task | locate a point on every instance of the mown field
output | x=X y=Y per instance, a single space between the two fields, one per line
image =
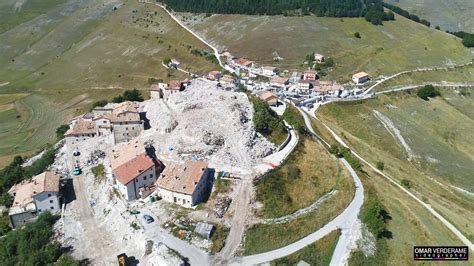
x=438 y=134
x=64 y=55
x=452 y=15
x=396 y=46
x=462 y=74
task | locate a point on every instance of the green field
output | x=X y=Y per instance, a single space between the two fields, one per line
x=463 y=74
x=311 y=167
x=452 y=15
x=396 y=46
x=438 y=134
x=64 y=55
x=318 y=253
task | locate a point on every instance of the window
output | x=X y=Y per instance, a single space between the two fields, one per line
x=144 y=178
x=52 y=208
x=126 y=128
x=151 y=175
x=39 y=210
x=50 y=201
x=49 y=195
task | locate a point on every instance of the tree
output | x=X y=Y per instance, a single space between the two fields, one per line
x=438 y=28
x=468 y=40
x=100 y=103
x=357 y=35
x=61 y=130
x=427 y=92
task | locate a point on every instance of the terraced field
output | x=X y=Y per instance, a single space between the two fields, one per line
x=427 y=143
x=396 y=46
x=64 y=55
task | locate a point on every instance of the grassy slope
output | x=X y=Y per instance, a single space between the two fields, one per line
x=396 y=46
x=318 y=253
x=281 y=193
x=434 y=130
x=80 y=52
x=453 y=15
x=464 y=74
x=410 y=223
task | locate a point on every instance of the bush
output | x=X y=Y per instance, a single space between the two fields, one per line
x=99 y=172
x=129 y=95
x=380 y=166
x=357 y=35
x=293 y=117
x=293 y=171
x=406 y=183
x=427 y=92
x=100 y=103
x=61 y=130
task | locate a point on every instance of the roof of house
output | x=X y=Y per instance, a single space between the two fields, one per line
x=267 y=95
x=182 y=178
x=24 y=192
x=279 y=80
x=81 y=127
x=227 y=78
x=243 y=62
x=269 y=68
x=174 y=85
x=158 y=87
x=309 y=71
x=318 y=56
x=214 y=72
x=133 y=168
x=360 y=75
x=326 y=85
x=125 y=152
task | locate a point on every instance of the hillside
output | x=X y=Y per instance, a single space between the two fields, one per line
x=426 y=143
x=397 y=45
x=452 y=15
x=63 y=55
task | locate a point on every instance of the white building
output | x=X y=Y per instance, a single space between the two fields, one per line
x=186 y=184
x=134 y=175
x=80 y=130
x=360 y=78
x=32 y=198
x=268 y=70
x=319 y=58
x=156 y=90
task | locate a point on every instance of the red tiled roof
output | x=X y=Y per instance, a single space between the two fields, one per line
x=133 y=168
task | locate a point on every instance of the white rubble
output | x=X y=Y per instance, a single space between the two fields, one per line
x=205 y=122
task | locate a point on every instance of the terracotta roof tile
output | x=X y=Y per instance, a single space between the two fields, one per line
x=133 y=168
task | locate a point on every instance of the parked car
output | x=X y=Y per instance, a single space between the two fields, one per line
x=148 y=219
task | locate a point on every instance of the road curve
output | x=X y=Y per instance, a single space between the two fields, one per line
x=343 y=221
x=214 y=49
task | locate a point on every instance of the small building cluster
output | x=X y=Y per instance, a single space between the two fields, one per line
x=164 y=90
x=31 y=198
x=138 y=174
x=121 y=120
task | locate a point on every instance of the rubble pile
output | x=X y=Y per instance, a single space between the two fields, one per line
x=95 y=157
x=221 y=206
x=205 y=122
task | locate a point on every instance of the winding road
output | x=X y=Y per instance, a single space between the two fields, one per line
x=214 y=49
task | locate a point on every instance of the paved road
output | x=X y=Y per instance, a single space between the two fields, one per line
x=410 y=71
x=216 y=52
x=343 y=221
x=450 y=226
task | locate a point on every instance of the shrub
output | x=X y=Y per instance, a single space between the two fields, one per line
x=61 y=130
x=99 y=172
x=357 y=35
x=293 y=171
x=427 y=92
x=380 y=166
x=406 y=183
